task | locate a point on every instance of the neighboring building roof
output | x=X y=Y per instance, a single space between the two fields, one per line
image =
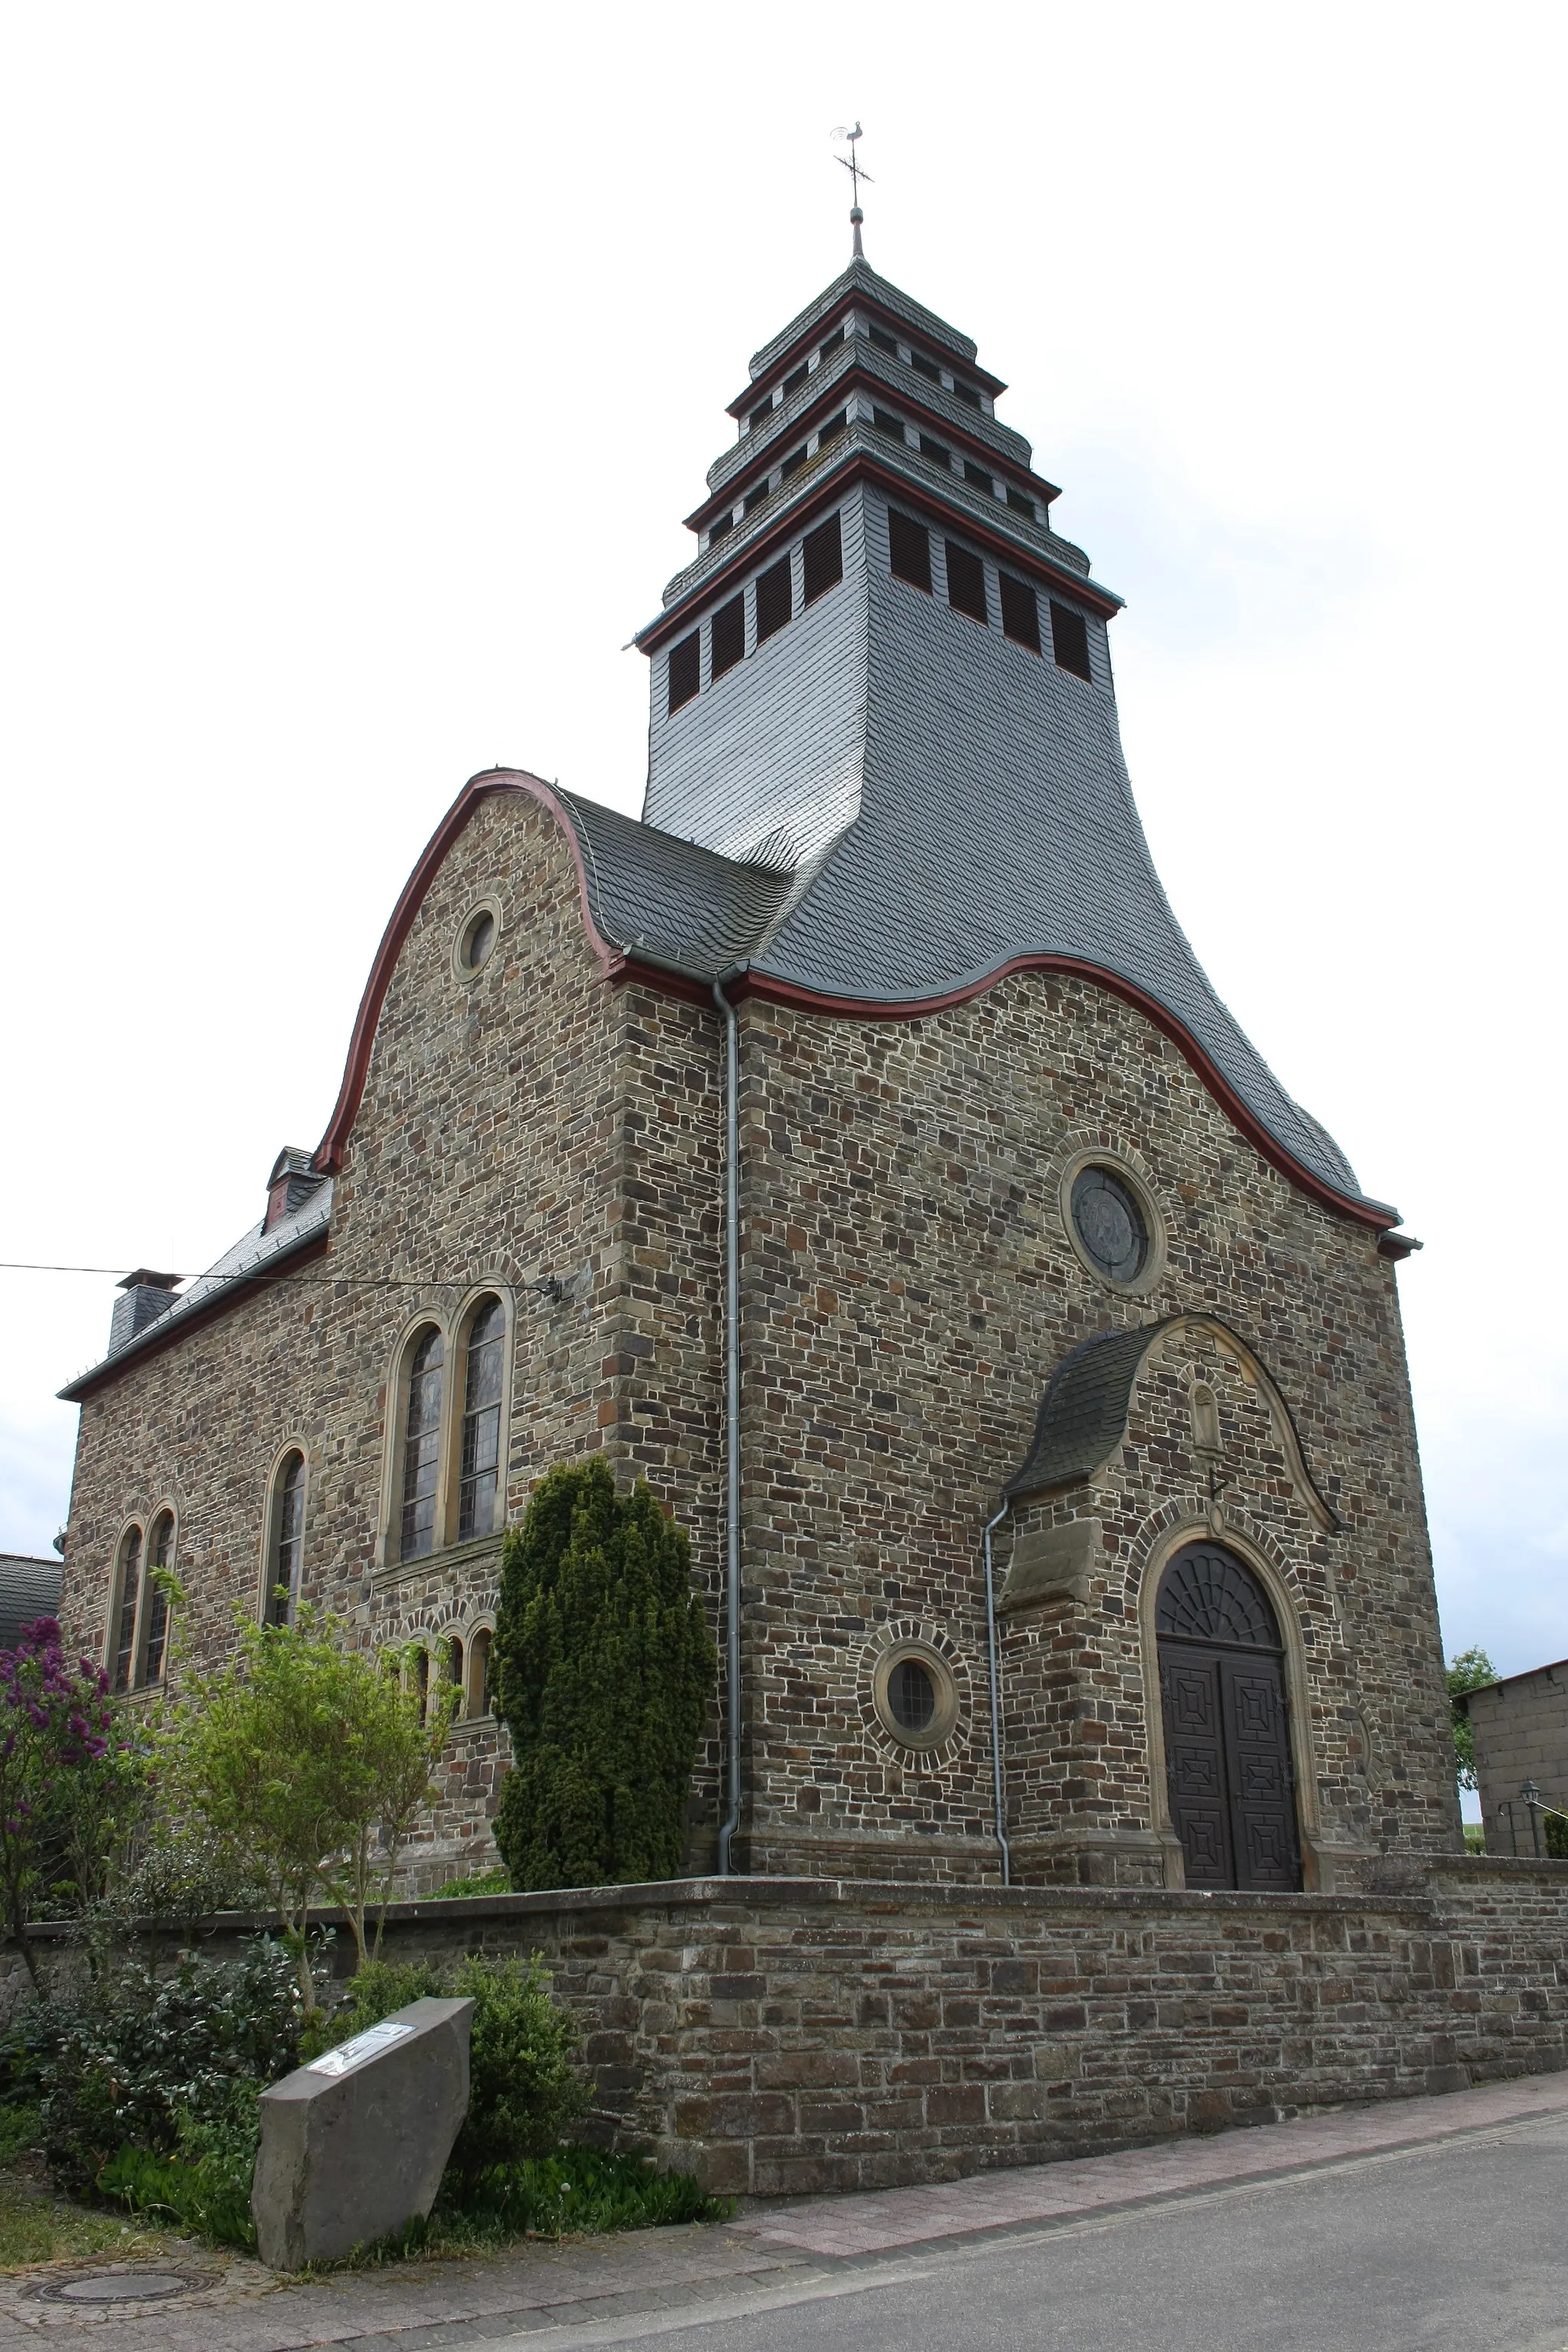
x=257 y=1253
x=1526 y=1674
x=29 y=1589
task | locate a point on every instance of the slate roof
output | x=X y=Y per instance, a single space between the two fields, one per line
x=29 y=1589
x=1083 y=1412
x=256 y=1252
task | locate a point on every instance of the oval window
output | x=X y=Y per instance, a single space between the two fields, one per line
x=911 y=1694
x=1109 y=1221
x=479 y=938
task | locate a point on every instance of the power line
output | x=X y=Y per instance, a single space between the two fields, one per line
x=319 y=1281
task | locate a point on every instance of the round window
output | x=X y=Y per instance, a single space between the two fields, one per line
x=914 y=1696
x=911 y=1694
x=1109 y=1221
x=479 y=938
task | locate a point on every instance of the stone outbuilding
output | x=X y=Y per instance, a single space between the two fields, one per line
x=1519 y=1725
x=853 y=1148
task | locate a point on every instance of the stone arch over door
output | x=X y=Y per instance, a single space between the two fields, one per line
x=1225 y=1715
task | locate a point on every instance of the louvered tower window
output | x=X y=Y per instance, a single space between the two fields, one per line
x=156 y=1616
x=774 y=599
x=1069 y=640
x=728 y=637
x=288 y=1541
x=922 y=366
x=966 y=583
x=822 y=558
x=1020 y=611
x=909 y=549
x=685 y=670
x=482 y=1423
x=128 y=1592
x=422 y=1447
x=979 y=478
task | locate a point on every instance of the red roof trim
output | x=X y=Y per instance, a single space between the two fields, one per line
x=856 y=379
x=855 y=297
x=328 y=1152
x=853 y=1008
x=856 y=466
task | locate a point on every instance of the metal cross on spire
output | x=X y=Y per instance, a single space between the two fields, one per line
x=858 y=172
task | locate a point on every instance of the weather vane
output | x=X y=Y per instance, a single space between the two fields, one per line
x=858 y=172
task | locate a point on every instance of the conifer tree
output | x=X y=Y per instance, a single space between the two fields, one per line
x=604 y=1668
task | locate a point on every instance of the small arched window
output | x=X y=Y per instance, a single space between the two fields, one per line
x=452 y=1671
x=127 y=1594
x=422 y=1447
x=480 y=1473
x=480 y=1672
x=286 y=1551
x=419 y=1679
x=155 y=1611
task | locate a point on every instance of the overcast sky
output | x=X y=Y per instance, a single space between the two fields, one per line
x=361 y=360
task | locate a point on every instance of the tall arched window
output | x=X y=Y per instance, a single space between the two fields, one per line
x=480 y=1672
x=422 y=1447
x=288 y=1541
x=452 y=1672
x=155 y=1611
x=419 y=1679
x=479 y=1473
x=127 y=1594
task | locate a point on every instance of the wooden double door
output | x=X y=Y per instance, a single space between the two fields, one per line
x=1227 y=1739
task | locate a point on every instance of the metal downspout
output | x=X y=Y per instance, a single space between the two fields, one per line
x=732 y=1426
x=991 y=1525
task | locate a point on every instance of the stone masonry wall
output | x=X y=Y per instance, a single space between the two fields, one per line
x=780 y=2036
x=489 y=1152
x=908 y=1285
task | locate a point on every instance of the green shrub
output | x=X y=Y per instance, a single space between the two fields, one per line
x=525 y=2090
x=206 y=2184
x=483 y=1882
x=604 y=1668
x=140 y=2058
x=1555 y=1830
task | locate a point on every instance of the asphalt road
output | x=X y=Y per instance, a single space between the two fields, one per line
x=1456 y=2247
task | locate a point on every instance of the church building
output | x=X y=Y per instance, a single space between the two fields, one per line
x=854 y=1149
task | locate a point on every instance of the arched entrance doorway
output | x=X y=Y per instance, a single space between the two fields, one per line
x=1227 y=1739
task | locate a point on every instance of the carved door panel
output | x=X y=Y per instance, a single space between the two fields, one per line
x=1263 y=1801
x=1196 y=1766
x=1227 y=1767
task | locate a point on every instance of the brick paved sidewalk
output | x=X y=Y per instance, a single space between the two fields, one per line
x=595 y=2286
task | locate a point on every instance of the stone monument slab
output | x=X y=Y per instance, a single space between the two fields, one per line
x=353 y=2145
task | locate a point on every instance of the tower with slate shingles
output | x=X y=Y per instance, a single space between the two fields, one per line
x=852 y=1148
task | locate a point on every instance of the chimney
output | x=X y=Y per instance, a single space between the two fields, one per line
x=291 y=1184
x=146 y=1297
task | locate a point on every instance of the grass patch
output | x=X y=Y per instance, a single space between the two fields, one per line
x=38 y=2225
x=581 y=2190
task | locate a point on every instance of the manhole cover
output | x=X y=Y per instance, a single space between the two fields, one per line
x=117 y=2287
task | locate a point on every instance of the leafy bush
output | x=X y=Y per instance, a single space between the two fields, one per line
x=306 y=1766
x=524 y=2088
x=604 y=1668
x=73 y=1786
x=141 y=2058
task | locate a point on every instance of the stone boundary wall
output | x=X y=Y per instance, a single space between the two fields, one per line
x=777 y=2036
